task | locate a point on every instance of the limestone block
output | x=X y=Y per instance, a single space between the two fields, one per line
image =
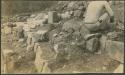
x=52 y=17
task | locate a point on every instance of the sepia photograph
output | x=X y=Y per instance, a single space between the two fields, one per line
x=62 y=37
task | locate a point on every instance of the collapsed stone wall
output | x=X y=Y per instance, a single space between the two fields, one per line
x=54 y=41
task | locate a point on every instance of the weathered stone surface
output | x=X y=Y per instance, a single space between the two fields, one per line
x=65 y=15
x=33 y=26
x=119 y=69
x=61 y=51
x=21 y=40
x=116 y=36
x=52 y=35
x=71 y=6
x=120 y=26
x=52 y=17
x=29 y=40
x=9 y=64
x=11 y=24
x=72 y=24
x=78 y=13
x=33 y=15
x=23 y=26
x=26 y=28
x=20 y=32
x=40 y=35
x=36 y=37
x=41 y=16
x=89 y=36
x=30 y=48
x=36 y=47
x=115 y=50
x=46 y=68
x=56 y=48
x=92 y=45
x=3 y=66
x=21 y=18
x=40 y=61
x=103 y=40
x=7 y=30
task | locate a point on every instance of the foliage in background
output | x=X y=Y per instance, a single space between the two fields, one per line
x=17 y=6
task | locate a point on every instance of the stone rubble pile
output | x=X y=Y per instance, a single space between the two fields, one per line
x=55 y=37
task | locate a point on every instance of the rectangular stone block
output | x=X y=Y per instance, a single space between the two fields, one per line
x=52 y=17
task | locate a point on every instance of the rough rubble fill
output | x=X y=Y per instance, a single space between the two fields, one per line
x=31 y=45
